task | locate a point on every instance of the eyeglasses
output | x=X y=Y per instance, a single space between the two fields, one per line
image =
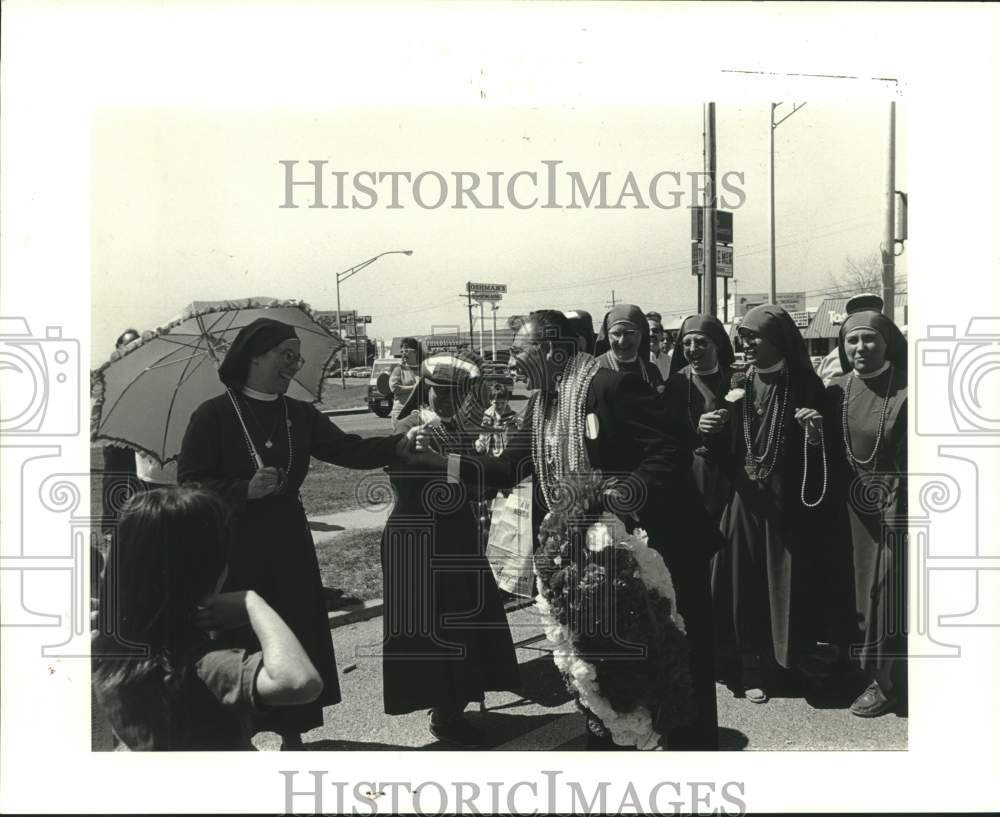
x=290 y=357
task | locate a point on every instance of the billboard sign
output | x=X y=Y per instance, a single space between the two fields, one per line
x=477 y=290
x=792 y=302
x=723 y=260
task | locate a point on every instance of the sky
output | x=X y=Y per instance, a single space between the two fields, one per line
x=187 y=205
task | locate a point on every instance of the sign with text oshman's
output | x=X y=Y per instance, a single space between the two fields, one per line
x=486 y=292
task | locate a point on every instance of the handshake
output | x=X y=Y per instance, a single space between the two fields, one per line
x=417 y=448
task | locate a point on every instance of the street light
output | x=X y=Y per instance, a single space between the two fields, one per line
x=343 y=276
x=773 y=293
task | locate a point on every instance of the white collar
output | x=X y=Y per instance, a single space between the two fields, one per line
x=713 y=370
x=870 y=375
x=777 y=367
x=259 y=395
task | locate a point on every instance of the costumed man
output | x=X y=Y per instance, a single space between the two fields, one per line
x=445 y=635
x=868 y=438
x=617 y=425
x=623 y=345
x=252 y=445
x=700 y=372
x=765 y=582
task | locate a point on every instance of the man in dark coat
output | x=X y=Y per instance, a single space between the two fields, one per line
x=626 y=436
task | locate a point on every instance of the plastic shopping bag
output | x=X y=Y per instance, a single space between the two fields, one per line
x=509 y=547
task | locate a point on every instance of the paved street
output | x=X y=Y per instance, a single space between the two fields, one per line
x=543 y=717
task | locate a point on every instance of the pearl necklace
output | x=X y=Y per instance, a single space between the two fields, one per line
x=805 y=469
x=558 y=428
x=881 y=423
x=760 y=468
x=256 y=462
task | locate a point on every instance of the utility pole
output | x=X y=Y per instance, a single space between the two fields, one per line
x=482 y=320
x=468 y=293
x=613 y=301
x=708 y=303
x=889 y=232
x=772 y=293
x=493 y=342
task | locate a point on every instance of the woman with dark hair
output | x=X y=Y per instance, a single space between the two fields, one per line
x=445 y=634
x=764 y=583
x=868 y=435
x=623 y=344
x=700 y=372
x=159 y=679
x=252 y=446
x=403 y=377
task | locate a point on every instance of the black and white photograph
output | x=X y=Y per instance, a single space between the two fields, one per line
x=469 y=381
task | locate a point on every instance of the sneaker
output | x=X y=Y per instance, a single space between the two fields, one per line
x=459 y=732
x=873 y=702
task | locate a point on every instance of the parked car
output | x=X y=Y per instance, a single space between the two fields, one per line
x=497 y=372
x=359 y=371
x=379 y=397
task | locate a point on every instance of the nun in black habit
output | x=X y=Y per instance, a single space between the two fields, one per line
x=764 y=583
x=252 y=446
x=623 y=345
x=868 y=442
x=700 y=372
x=445 y=635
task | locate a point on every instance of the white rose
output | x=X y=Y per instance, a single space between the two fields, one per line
x=735 y=395
x=599 y=537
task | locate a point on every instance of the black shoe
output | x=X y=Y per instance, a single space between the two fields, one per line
x=459 y=732
x=873 y=702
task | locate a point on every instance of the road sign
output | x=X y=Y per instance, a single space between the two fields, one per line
x=801 y=319
x=723 y=260
x=723 y=225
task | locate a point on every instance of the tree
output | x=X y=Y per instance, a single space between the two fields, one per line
x=862 y=274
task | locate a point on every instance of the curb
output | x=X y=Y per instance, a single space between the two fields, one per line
x=355 y=613
x=344 y=412
x=373 y=609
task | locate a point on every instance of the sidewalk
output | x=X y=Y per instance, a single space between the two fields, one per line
x=325 y=527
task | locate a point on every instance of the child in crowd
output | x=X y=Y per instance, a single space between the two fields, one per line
x=500 y=419
x=160 y=679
